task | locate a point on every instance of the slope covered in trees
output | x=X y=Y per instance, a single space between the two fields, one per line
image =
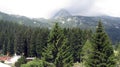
x=58 y=46
x=15 y=38
x=112 y=24
x=30 y=41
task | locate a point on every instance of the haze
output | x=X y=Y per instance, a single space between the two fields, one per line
x=47 y=8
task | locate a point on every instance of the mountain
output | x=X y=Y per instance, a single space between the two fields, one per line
x=111 y=24
x=62 y=13
x=22 y=20
x=66 y=20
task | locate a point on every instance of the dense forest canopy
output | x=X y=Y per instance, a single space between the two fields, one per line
x=58 y=46
x=15 y=38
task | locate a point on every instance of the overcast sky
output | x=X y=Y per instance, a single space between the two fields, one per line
x=47 y=8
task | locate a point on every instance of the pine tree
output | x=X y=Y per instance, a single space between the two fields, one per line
x=86 y=50
x=76 y=39
x=47 y=54
x=54 y=40
x=4 y=48
x=102 y=54
x=10 y=48
x=117 y=54
x=41 y=41
x=33 y=45
x=64 y=57
x=57 y=51
x=19 y=42
x=27 y=37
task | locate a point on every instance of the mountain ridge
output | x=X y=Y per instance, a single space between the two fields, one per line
x=111 y=24
x=62 y=13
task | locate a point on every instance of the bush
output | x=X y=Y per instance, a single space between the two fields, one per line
x=22 y=60
x=38 y=63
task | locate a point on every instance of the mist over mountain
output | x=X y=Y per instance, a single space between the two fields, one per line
x=62 y=13
x=67 y=20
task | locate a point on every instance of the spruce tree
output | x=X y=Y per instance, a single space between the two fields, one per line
x=76 y=39
x=10 y=47
x=86 y=50
x=64 y=57
x=19 y=42
x=47 y=54
x=33 y=45
x=4 y=48
x=102 y=54
x=57 y=50
x=41 y=41
x=54 y=42
x=117 y=54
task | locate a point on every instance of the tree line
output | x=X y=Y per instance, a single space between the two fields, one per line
x=60 y=46
x=30 y=41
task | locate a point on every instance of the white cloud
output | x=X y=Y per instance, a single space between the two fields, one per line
x=109 y=7
x=45 y=8
x=32 y=8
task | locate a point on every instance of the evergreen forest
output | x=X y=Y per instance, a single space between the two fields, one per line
x=58 y=47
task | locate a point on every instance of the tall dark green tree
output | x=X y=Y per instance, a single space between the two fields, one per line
x=41 y=41
x=102 y=54
x=4 y=48
x=86 y=50
x=54 y=41
x=76 y=38
x=33 y=52
x=19 y=42
x=27 y=42
x=57 y=51
x=47 y=54
x=64 y=57
x=10 y=47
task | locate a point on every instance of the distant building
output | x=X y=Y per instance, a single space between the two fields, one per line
x=4 y=58
x=12 y=60
x=30 y=58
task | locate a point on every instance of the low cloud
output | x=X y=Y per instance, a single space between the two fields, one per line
x=47 y=8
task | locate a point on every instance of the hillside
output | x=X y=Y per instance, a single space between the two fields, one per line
x=67 y=20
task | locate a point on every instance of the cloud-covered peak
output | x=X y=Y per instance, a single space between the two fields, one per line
x=62 y=13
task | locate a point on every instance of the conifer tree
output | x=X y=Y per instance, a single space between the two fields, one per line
x=4 y=48
x=41 y=41
x=33 y=44
x=57 y=51
x=117 y=54
x=47 y=54
x=64 y=57
x=10 y=47
x=55 y=39
x=19 y=42
x=76 y=40
x=102 y=54
x=86 y=50
x=54 y=42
